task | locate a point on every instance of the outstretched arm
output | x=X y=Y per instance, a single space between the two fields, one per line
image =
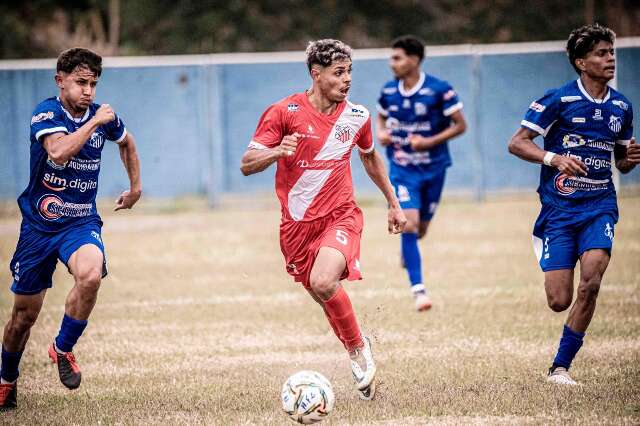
x=374 y=165
x=627 y=157
x=458 y=127
x=523 y=146
x=131 y=162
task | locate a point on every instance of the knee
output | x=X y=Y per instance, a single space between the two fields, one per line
x=422 y=230
x=23 y=319
x=559 y=302
x=589 y=288
x=89 y=279
x=323 y=285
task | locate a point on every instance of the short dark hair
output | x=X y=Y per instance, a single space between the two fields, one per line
x=412 y=45
x=79 y=57
x=326 y=51
x=582 y=40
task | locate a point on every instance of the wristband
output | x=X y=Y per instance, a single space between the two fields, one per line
x=547 y=158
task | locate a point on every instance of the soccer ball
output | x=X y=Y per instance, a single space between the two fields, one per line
x=307 y=397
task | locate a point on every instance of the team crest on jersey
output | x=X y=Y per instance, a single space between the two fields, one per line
x=42 y=116
x=293 y=107
x=420 y=108
x=343 y=133
x=406 y=104
x=620 y=104
x=96 y=140
x=615 y=123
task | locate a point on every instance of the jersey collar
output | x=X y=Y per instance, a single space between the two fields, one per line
x=77 y=120
x=414 y=89
x=588 y=96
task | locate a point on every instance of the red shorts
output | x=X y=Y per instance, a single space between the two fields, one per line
x=341 y=229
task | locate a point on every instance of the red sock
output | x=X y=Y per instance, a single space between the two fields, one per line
x=343 y=319
x=334 y=327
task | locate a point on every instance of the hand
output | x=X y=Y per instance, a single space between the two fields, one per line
x=633 y=152
x=396 y=220
x=421 y=143
x=288 y=145
x=127 y=199
x=384 y=137
x=570 y=166
x=104 y=114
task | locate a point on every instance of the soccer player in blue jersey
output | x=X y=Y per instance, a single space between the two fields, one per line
x=417 y=114
x=59 y=216
x=581 y=123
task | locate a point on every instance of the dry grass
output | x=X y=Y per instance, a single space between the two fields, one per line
x=198 y=323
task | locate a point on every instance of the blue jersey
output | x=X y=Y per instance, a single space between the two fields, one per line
x=62 y=195
x=574 y=124
x=424 y=110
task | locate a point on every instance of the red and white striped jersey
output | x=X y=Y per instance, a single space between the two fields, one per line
x=317 y=178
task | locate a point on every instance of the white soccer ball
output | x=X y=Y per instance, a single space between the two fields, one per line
x=307 y=397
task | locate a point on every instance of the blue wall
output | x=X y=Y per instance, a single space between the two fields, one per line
x=193 y=122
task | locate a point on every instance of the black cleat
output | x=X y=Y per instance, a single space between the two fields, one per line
x=68 y=368
x=8 y=394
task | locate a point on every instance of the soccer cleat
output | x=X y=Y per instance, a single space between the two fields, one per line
x=423 y=302
x=560 y=376
x=68 y=368
x=364 y=370
x=8 y=394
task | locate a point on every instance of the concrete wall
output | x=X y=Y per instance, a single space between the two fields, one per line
x=193 y=116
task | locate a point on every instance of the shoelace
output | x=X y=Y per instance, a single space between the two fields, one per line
x=72 y=361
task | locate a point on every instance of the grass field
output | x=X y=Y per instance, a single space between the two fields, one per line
x=199 y=323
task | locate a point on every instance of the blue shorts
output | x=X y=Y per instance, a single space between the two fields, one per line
x=37 y=254
x=420 y=192
x=560 y=237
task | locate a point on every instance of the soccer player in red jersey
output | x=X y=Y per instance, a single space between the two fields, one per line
x=310 y=136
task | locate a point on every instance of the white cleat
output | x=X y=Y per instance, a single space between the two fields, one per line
x=560 y=376
x=364 y=378
x=423 y=302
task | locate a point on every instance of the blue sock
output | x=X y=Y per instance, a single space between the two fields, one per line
x=70 y=331
x=411 y=256
x=10 y=362
x=570 y=344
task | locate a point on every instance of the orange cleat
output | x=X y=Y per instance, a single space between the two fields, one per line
x=68 y=368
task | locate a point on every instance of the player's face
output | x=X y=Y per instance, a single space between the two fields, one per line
x=402 y=64
x=77 y=88
x=334 y=81
x=600 y=63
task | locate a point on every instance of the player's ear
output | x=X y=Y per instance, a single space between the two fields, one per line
x=580 y=64
x=58 y=79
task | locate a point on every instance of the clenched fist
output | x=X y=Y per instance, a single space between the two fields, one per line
x=104 y=114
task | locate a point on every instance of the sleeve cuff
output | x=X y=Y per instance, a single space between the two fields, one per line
x=121 y=138
x=256 y=145
x=367 y=150
x=624 y=142
x=382 y=111
x=51 y=130
x=533 y=126
x=453 y=108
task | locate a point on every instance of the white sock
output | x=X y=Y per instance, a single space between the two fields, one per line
x=56 y=348
x=6 y=382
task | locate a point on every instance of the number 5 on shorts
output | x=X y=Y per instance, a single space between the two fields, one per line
x=341 y=237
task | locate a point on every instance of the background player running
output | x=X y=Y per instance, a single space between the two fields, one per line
x=417 y=115
x=310 y=136
x=59 y=216
x=582 y=122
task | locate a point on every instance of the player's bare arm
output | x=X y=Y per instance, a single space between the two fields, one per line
x=523 y=146
x=374 y=165
x=458 y=127
x=627 y=157
x=62 y=147
x=131 y=162
x=257 y=160
x=383 y=134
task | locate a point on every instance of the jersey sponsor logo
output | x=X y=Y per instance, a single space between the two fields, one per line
x=96 y=140
x=389 y=90
x=317 y=164
x=615 y=124
x=567 y=185
x=51 y=208
x=293 y=107
x=356 y=112
x=595 y=162
x=578 y=120
x=57 y=183
x=537 y=107
x=80 y=164
x=597 y=115
x=41 y=117
x=572 y=140
x=426 y=91
x=343 y=133
x=570 y=98
x=620 y=104
x=53 y=165
x=420 y=108
x=404 y=158
x=393 y=108
x=449 y=94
